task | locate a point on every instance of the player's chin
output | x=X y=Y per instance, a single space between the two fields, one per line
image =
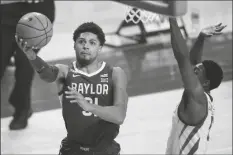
x=84 y=56
x=84 y=60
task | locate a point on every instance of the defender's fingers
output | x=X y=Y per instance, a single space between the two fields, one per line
x=217 y=33
x=73 y=101
x=24 y=44
x=218 y=24
x=69 y=92
x=16 y=38
x=220 y=28
x=70 y=88
x=70 y=96
x=19 y=41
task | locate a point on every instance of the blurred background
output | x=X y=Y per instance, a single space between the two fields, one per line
x=149 y=63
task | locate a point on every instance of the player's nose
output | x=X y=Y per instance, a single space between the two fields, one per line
x=86 y=46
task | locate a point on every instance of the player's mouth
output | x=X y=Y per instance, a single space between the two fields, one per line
x=85 y=53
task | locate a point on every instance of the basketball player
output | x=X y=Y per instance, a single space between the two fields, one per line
x=20 y=97
x=93 y=94
x=194 y=116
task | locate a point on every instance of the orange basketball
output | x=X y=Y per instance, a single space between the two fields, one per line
x=35 y=28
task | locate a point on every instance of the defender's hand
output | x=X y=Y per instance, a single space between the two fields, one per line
x=29 y=51
x=77 y=98
x=212 y=30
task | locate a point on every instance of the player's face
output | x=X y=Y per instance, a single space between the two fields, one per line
x=199 y=70
x=87 y=47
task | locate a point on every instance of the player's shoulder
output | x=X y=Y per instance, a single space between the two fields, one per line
x=115 y=70
x=118 y=71
x=119 y=75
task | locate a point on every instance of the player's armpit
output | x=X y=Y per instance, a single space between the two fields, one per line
x=194 y=111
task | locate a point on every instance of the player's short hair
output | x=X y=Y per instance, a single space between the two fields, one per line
x=214 y=73
x=90 y=27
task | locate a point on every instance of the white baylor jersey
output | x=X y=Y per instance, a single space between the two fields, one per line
x=190 y=140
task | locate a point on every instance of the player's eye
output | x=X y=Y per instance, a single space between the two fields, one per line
x=92 y=43
x=81 y=41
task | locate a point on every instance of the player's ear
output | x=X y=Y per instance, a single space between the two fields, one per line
x=100 y=48
x=206 y=83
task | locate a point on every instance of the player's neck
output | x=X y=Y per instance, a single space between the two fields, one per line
x=90 y=68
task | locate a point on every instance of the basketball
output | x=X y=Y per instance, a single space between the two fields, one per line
x=35 y=28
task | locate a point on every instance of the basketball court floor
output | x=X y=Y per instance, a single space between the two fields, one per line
x=154 y=91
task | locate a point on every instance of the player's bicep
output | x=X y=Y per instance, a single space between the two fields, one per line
x=120 y=95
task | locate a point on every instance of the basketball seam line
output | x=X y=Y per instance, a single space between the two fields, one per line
x=31 y=26
x=43 y=27
x=39 y=35
x=44 y=39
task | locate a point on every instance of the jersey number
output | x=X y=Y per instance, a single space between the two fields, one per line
x=90 y=100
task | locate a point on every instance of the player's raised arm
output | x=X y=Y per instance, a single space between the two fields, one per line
x=197 y=49
x=46 y=72
x=191 y=83
x=194 y=95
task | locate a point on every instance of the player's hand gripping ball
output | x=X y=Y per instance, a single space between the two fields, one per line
x=35 y=28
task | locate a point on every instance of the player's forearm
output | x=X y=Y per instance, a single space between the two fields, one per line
x=46 y=72
x=179 y=45
x=114 y=114
x=197 y=50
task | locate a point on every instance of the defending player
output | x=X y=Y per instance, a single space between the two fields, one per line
x=93 y=94
x=194 y=116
